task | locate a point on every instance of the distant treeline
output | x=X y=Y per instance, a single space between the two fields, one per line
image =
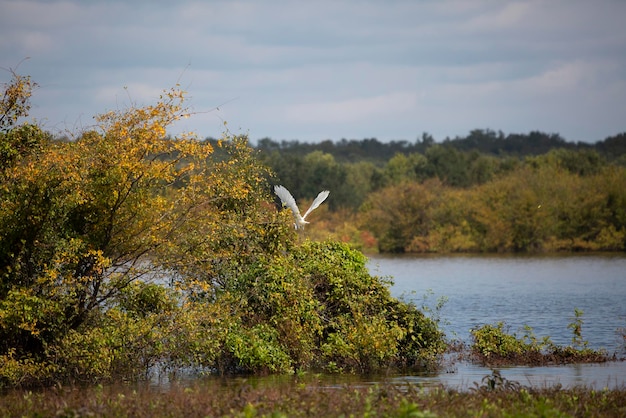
x=352 y=169
x=484 y=192
x=485 y=141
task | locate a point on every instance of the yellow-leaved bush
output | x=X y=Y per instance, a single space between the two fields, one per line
x=125 y=251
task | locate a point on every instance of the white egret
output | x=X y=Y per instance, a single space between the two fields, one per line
x=290 y=202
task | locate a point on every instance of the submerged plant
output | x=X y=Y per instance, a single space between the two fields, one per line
x=490 y=340
x=577 y=329
x=579 y=351
x=492 y=344
x=496 y=382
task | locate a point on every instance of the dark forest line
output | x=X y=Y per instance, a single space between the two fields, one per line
x=485 y=141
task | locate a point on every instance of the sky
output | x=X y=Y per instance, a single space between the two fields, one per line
x=327 y=69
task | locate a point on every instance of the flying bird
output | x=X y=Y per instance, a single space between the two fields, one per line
x=290 y=202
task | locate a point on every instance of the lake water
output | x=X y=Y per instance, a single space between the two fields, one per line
x=541 y=292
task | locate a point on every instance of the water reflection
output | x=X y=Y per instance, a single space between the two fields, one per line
x=460 y=376
x=610 y=375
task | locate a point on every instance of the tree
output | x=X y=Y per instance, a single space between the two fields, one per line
x=15 y=102
x=448 y=164
x=127 y=249
x=402 y=167
x=17 y=141
x=402 y=214
x=82 y=220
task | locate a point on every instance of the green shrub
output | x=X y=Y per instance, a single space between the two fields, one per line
x=492 y=344
x=318 y=307
x=364 y=327
x=141 y=299
x=493 y=341
x=257 y=349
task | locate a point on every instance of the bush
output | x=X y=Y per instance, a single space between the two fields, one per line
x=325 y=312
x=493 y=341
x=493 y=345
x=89 y=227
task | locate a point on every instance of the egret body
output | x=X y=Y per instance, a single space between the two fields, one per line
x=290 y=202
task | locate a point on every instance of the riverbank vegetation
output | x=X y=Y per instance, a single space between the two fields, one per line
x=125 y=252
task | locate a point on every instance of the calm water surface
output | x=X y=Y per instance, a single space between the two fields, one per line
x=541 y=292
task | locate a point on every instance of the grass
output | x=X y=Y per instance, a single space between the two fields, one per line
x=495 y=397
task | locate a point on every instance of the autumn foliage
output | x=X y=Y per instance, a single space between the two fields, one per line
x=125 y=252
x=540 y=206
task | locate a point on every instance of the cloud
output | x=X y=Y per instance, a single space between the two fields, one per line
x=506 y=15
x=359 y=109
x=331 y=69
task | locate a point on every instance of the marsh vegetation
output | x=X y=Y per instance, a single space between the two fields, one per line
x=493 y=397
x=90 y=225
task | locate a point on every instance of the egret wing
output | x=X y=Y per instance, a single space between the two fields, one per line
x=287 y=199
x=318 y=201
